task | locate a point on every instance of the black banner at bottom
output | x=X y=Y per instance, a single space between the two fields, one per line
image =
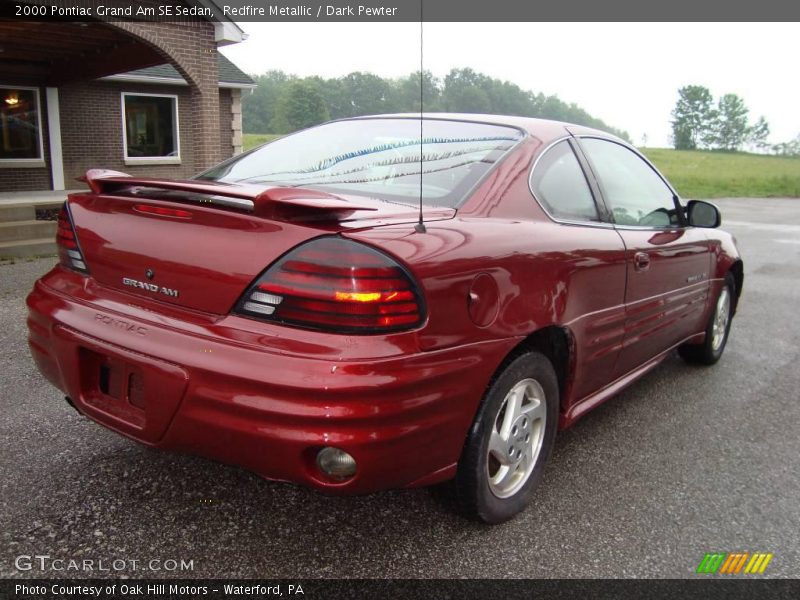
x=313 y=589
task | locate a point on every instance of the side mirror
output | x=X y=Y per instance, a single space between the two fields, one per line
x=703 y=214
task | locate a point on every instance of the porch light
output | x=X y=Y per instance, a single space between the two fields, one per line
x=12 y=99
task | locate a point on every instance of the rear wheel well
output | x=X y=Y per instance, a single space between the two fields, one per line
x=737 y=270
x=555 y=343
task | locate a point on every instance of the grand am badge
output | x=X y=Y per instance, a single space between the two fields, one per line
x=150 y=287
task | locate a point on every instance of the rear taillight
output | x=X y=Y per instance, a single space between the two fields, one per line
x=338 y=285
x=68 y=249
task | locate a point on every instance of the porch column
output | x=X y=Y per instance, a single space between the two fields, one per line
x=205 y=110
x=236 y=124
x=54 y=138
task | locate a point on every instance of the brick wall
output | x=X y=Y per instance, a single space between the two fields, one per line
x=91 y=129
x=191 y=49
x=91 y=111
x=30 y=179
x=91 y=134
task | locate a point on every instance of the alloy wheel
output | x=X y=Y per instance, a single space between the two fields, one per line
x=516 y=438
x=719 y=327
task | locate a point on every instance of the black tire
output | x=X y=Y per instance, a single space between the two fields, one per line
x=706 y=353
x=473 y=494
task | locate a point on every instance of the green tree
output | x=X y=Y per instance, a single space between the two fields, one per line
x=278 y=104
x=692 y=117
x=259 y=105
x=468 y=99
x=730 y=128
x=337 y=98
x=408 y=89
x=791 y=148
x=302 y=105
x=464 y=91
x=758 y=133
x=368 y=94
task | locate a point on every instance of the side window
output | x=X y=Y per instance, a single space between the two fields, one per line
x=634 y=192
x=559 y=183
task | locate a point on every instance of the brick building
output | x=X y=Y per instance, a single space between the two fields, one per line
x=151 y=99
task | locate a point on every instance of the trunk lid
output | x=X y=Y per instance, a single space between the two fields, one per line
x=200 y=245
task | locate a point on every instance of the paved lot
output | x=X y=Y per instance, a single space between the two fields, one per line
x=686 y=461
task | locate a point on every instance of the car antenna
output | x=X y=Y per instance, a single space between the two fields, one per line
x=420 y=226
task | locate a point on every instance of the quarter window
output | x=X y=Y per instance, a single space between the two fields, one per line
x=151 y=126
x=560 y=185
x=634 y=192
x=20 y=126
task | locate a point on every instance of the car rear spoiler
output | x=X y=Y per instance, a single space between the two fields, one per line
x=271 y=203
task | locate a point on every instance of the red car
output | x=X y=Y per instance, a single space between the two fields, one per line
x=317 y=312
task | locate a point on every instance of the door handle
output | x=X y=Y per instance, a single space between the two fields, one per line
x=641 y=261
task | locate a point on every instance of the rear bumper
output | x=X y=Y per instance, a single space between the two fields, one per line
x=403 y=417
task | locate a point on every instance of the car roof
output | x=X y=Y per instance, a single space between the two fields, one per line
x=545 y=129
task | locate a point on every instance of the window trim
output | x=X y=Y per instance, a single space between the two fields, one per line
x=676 y=199
x=27 y=163
x=151 y=160
x=591 y=183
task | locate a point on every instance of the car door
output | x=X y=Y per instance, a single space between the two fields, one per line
x=590 y=256
x=668 y=263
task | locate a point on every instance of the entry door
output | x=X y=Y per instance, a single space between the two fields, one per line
x=589 y=298
x=667 y=262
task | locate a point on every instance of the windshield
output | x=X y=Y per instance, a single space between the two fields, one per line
x=377 y=157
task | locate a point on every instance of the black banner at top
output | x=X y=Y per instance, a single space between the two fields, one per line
x=406 y=10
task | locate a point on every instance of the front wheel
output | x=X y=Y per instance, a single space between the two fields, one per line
x=717 y=329
x=510 y=441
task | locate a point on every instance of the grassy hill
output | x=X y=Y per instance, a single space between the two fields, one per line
x=251 y=140
x=699 y=174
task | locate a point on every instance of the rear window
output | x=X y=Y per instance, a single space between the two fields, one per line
x=379 y=158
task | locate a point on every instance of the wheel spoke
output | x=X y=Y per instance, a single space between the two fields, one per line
x=504 y=475
x=513 y=405
x=526 y=460
x=534 y=410
x=498 y=448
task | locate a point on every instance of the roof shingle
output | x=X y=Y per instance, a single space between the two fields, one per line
x=228 y=72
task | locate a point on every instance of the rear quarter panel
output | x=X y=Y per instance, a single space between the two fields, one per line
x=546 y=273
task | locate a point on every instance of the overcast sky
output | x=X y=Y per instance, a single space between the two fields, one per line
x=627 y=74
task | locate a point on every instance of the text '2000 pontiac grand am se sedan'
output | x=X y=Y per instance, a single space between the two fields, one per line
x=382 y=302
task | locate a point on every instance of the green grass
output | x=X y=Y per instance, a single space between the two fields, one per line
x=698 y=174
x=251 y=140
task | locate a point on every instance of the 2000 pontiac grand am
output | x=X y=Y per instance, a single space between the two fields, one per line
x=286 y=311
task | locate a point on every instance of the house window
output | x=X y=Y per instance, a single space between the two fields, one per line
x=20 y=126
x=150 y=128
